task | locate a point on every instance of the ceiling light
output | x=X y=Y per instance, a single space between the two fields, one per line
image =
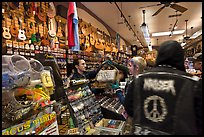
x=167 y=33
x=124 y=19
x=183 y=43
x=150 y=47
x=176 y=32
x=195 y=35
x=99 y=32
x=145 y=29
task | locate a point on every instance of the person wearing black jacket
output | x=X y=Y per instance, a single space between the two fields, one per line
x=79 y=69
x=166 y=99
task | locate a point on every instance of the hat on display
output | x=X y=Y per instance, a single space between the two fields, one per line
x=197 y=57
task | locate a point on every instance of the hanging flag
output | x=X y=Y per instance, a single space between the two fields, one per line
x=70 y=26
x=118 y=41
x=76 y=34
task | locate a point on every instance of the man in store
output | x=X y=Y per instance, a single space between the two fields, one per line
x=166 y=99
x=79 y=70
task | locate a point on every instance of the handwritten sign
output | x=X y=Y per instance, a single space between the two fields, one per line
x=106 y=75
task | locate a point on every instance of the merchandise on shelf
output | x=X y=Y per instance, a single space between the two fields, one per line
x=29 y=84
x=85 y=110
x=25 y=91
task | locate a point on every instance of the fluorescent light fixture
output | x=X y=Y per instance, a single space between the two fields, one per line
x=195 y=35
x=145 y=30
x=150 y=47
x=167 y=33
x=146 y=34
x=148 y=40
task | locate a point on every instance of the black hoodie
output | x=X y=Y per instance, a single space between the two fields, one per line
x=171 y=53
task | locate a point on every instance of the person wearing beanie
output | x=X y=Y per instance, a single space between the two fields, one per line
x=166 y=100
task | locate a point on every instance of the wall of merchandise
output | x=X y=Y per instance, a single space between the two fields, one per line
x=27 y=34
x=194 y=47
x=27 y=31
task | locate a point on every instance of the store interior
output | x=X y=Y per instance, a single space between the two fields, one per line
x=37 y=96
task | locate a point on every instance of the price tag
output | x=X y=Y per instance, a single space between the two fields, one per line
x=9 y=51
x=21 y=45
x=9 y=43
x=15 y=44
x=32 y=47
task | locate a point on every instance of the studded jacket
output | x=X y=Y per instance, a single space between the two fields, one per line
x=165 y=100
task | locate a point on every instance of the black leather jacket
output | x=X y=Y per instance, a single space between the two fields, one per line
x=165 y=100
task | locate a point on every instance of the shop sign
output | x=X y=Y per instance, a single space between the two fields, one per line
x=38 y=125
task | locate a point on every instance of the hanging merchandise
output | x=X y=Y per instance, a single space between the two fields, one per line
x=66 y=34
x=15 y=71
x=36 y=69
x=18 y=63
x=51 y=13
x=12 y=80
x=70 y=27
x=46 y=79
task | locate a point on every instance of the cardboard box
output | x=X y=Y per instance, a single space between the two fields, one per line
x=105 y=131
x=105 y=124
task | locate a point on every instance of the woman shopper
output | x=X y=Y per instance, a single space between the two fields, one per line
x=136 y=65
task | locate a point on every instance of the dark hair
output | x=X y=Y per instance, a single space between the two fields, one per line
x=75 y=62
x=171 y=53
